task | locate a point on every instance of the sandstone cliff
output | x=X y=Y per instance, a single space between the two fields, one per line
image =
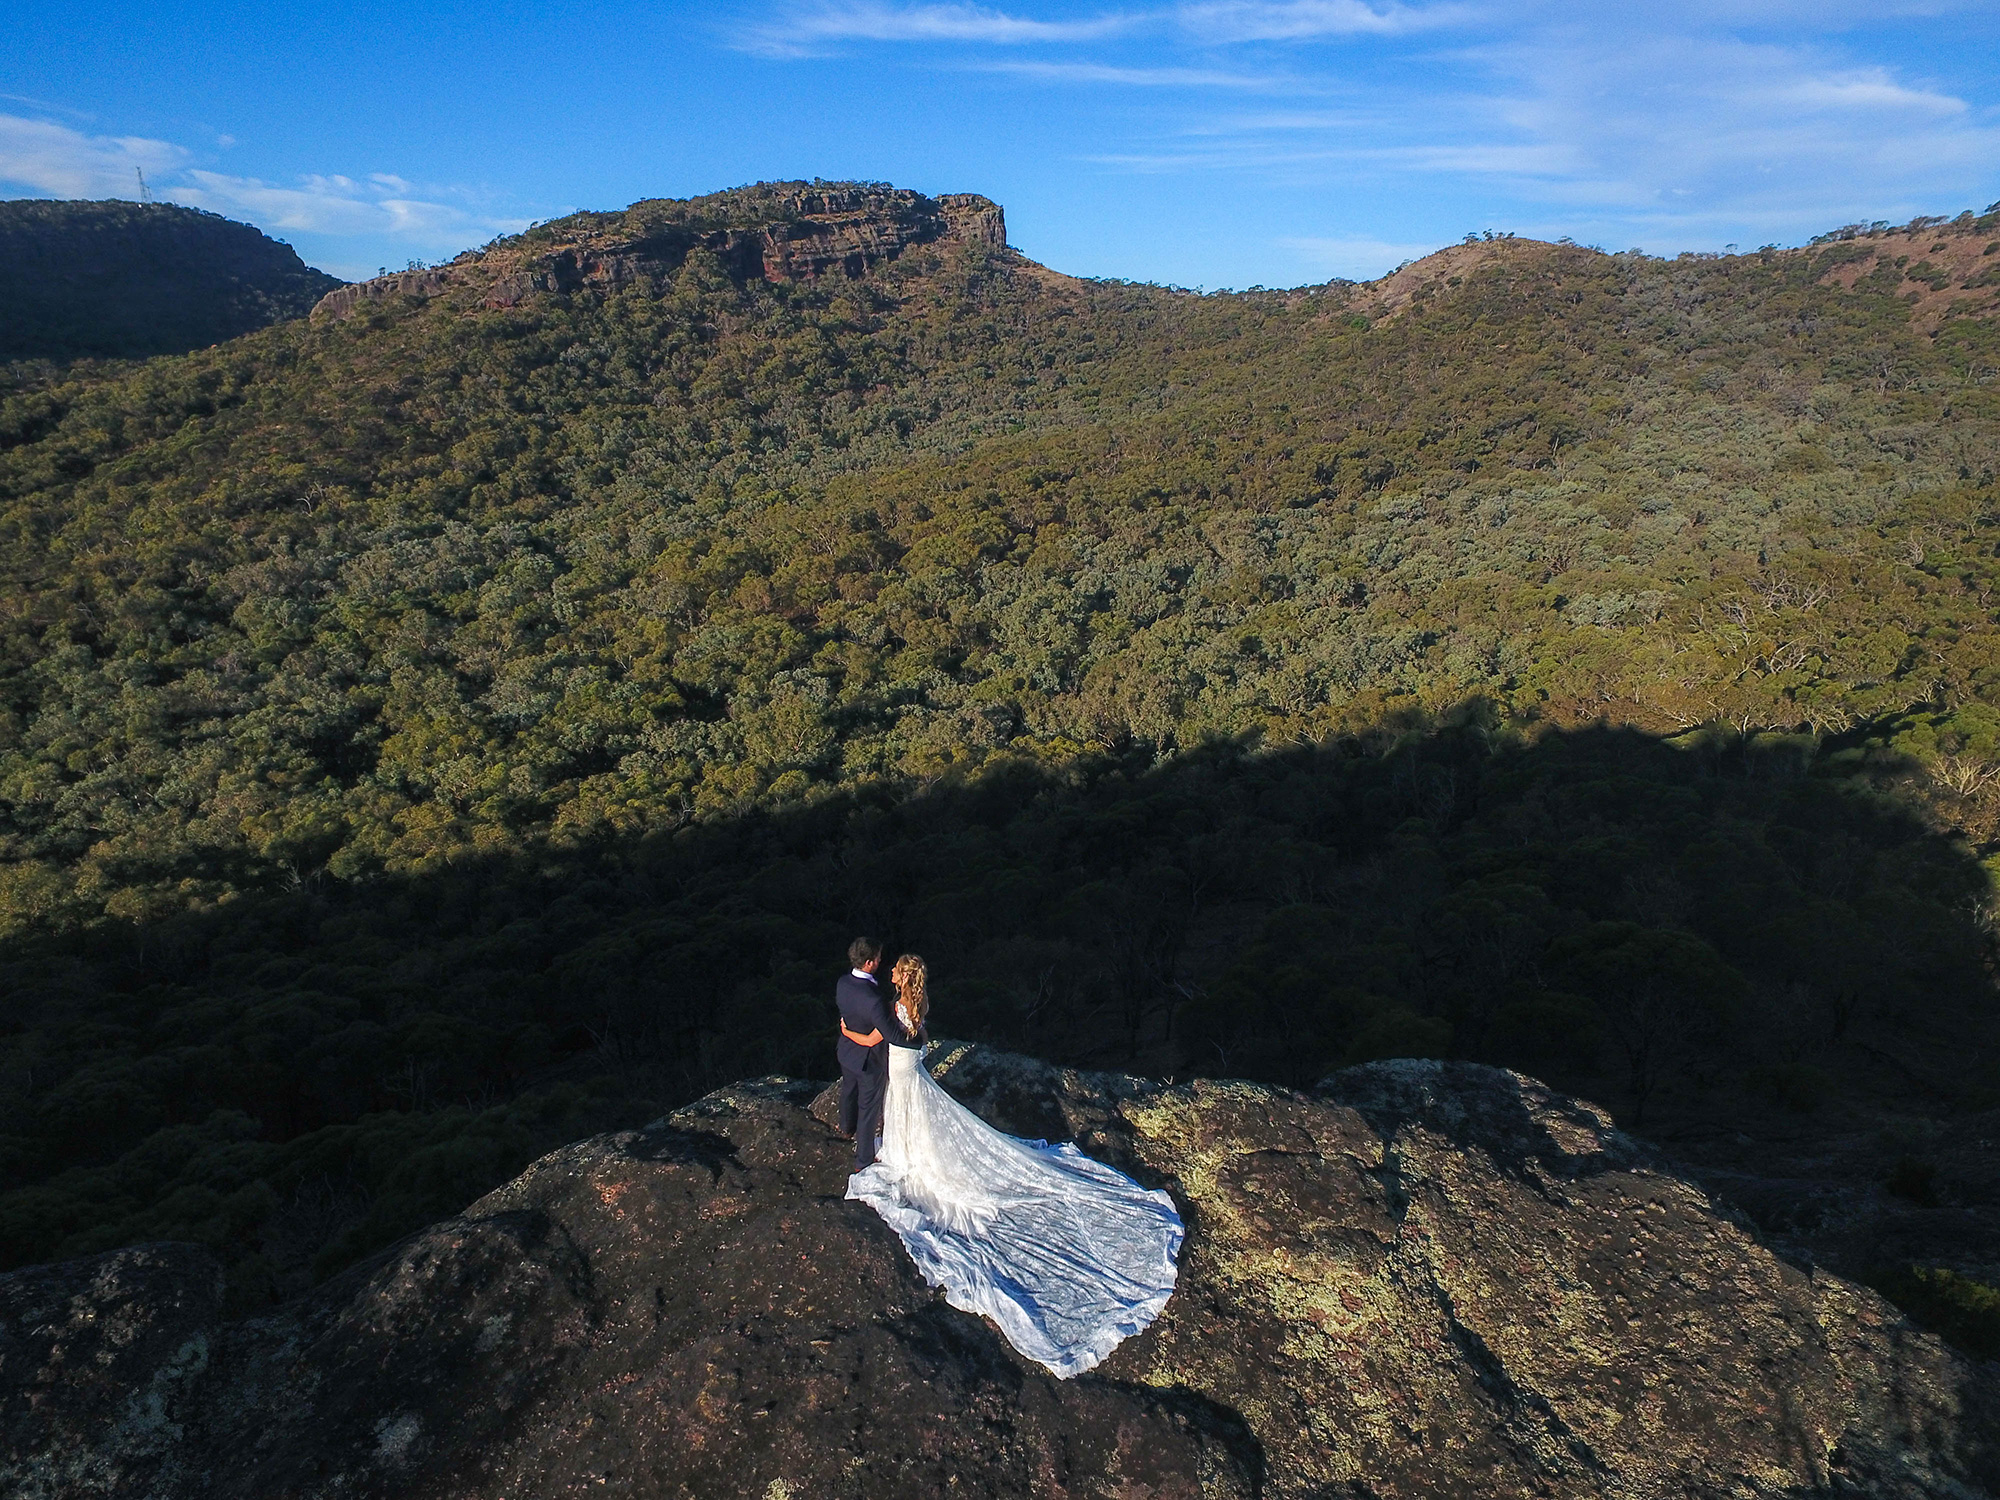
x=1424 y=1279
x=779 y=232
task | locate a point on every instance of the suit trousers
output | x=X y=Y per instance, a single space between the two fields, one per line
x=861 y=1098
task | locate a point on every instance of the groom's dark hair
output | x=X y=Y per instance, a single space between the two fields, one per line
x=862 y=951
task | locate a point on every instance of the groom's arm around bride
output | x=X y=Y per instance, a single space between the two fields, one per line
x=864 y=1070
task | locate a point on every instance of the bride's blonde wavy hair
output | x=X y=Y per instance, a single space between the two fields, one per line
x=912 y=981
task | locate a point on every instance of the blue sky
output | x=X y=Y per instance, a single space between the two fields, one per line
x=1204 y=143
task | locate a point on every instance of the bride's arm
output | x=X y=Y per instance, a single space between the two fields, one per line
x=872 y=1039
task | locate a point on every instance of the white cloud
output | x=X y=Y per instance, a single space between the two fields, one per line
x=378 y=206
x=44 y=107
x=370 y=219
x=54 y=159
x=1691 y=131
x=1717 y=119
x=1689 y=137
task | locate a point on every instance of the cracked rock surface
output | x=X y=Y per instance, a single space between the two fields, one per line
x=1422 y=1279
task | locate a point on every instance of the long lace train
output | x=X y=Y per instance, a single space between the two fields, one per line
x=1068 y=1256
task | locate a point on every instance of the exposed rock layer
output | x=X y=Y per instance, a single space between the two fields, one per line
x=1428 y=1279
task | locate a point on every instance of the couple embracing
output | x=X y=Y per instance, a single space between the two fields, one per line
x=869 y=1026
x=1068 y=1256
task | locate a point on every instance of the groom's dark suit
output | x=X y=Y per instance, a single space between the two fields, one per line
x=864 y=1071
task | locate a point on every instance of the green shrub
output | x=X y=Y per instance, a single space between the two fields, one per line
x=1963 y=1312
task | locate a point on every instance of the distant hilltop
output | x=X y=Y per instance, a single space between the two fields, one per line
x=1941 y=267
x=773 y=231
x=130 y=280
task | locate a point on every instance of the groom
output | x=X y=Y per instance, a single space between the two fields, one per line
x=864 y=1069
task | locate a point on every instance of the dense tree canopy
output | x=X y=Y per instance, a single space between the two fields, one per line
x=117 y=280
x=432 y=732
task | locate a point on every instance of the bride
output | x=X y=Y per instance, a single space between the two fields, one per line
x=1066 y=1255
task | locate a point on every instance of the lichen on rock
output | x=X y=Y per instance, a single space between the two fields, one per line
x=1418 y=1279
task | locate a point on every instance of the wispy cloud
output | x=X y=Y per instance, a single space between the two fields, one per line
x=803 y=30
x=377 y=206
x=1689 y=129
x=1686 y=113
x=49 y=158
x=806 y=29
x=1357 y=259
x=1688 y=137
x=44 y=107
x=1872 y=90
x=1309 y=20
x=1200 y=78
x=1276 y=122
x=354 y=217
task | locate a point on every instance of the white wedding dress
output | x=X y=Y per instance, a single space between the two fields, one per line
x=1066 y=1255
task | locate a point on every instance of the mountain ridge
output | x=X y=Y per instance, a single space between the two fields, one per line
x=853 y=226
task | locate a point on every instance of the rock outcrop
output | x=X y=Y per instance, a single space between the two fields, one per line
x=1424 y=1279
x=793 y=236
x=343 y=300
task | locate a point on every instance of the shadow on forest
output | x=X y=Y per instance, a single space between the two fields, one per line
x=300 y=1077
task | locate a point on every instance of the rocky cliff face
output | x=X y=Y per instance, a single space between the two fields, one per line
x=795 y=236
x=1424 y=1279
x=129 y=280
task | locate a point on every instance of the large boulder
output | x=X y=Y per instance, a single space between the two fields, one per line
x=1423 y=1279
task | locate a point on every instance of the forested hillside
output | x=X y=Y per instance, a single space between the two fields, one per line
x=116 y=280
x=484 y=711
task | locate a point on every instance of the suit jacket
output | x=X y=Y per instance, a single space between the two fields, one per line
x=862 y=1009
